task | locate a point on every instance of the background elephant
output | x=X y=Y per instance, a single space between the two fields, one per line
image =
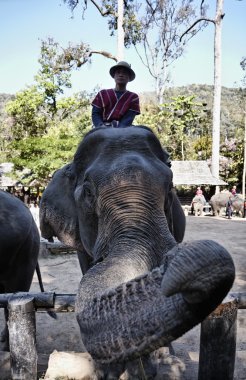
x=19 y=247
x=219 y=201
x=197 y=204
x=237 y=204
x=143 y=288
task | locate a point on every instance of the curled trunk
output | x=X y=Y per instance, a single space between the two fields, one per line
x=151 y=310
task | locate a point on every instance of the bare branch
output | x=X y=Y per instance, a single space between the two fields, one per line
x=146 y=65
x=201 y=7
x=106 y=13
x=196 y=22
x=104 y=53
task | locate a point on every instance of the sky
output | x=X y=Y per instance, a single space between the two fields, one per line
x=24 y=23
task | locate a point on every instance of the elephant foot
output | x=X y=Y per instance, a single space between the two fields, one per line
x=145 y=367
x=156 y=366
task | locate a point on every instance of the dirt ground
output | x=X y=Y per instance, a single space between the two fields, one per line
x=61 y=274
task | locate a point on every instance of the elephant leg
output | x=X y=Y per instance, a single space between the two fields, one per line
x=196 y=211
x=144 y=367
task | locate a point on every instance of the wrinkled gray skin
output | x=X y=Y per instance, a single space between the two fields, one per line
x=198 y=204
x=218 y=202
x=19 y=247
x=144 y=289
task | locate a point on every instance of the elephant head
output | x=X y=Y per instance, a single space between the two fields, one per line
x=145 y=288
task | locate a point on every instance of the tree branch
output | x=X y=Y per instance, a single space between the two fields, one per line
x=196 y=22
x=106 y=13
x=104 y=53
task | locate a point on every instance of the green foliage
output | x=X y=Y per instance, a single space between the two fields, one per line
x=50 y=78
x=109 y=9
x=45 y=127
x=232 y=164
x=186 y=111
x=45 y=154
x=27 y=112
x=177 y=124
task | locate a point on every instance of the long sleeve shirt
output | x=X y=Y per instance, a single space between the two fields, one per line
x=110 y=105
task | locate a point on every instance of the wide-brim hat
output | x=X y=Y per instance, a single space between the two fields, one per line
x=126 y=65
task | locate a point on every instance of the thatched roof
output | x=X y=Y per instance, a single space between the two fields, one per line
x=193 y=173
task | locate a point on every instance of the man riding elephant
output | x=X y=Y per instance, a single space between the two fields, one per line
x=220 y=200
x=116 y=107
x=198 y=202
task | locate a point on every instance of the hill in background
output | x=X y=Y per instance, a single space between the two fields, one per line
x=231 y=109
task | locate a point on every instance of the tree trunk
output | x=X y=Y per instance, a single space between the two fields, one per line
x=217 y=90
x=244 y=161
x=121 y=33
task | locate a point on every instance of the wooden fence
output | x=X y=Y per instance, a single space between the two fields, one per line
x=217 y=339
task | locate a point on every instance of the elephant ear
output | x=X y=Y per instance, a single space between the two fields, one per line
x=173 y=210
x=58 y=215
x=175 y=216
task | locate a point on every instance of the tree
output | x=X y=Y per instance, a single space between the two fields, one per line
x=43 y=155
x=36 y=108
x=217 y=21
x=154 y=25
x=26 y=110
x=121 y=15
x=179 y=124
x=161 y=27
x=243 y=92
x=45 y=126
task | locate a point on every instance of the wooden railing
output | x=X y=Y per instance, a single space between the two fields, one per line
x=217 y=340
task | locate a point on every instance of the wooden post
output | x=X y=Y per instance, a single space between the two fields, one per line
x=218 y=343
x=22 y=338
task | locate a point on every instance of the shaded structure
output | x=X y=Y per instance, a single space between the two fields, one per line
x=194 y=173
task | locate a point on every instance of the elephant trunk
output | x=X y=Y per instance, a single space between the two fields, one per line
x=150 y=311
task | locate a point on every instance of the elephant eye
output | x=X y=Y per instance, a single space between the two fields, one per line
x=87 y=193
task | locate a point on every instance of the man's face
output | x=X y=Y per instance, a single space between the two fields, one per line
x=121 y=75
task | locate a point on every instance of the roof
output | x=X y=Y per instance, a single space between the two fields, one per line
x=7 y=181
x=194 y=173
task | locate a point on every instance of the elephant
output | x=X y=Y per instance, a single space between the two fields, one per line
x=143 y=287
x=219 y=201
x=197 y=204
x=237 y=204
x=19 y=248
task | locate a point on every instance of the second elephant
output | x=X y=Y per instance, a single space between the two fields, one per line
x=198 y=203
x=219 y=201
